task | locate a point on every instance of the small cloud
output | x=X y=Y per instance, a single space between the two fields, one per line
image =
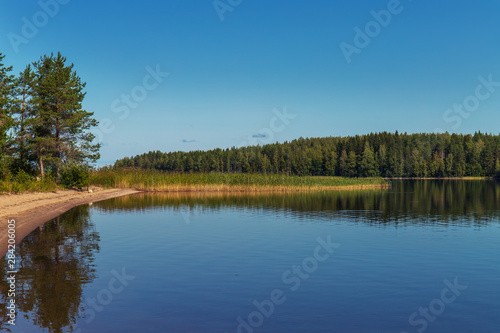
x=188 y=141
x=259 y=136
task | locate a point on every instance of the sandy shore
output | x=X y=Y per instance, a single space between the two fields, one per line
x=33 y=209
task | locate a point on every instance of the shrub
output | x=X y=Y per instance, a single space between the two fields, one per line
x=75 y=175
x=23 y=177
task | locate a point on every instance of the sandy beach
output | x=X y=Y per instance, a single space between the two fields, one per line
x=30 y=210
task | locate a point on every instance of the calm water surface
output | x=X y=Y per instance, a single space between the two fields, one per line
x=422 y=257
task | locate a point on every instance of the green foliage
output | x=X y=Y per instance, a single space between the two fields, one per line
x=380 y=154
x=153 y=179
x=23 y=182
x=6 y=121
x=75 y=175
x=23 y=177
x=368 y=162
x=60 y=130
x=43 y=125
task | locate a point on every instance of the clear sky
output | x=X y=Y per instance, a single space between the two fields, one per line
x=243 y=72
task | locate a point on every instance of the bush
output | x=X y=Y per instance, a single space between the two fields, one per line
x=23 y=177
x=75 y=175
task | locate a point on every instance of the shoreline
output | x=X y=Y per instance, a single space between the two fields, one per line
x=31 y=210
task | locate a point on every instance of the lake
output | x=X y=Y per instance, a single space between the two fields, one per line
x=421 y=257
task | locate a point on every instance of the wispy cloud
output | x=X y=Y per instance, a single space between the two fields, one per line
x=188 y=141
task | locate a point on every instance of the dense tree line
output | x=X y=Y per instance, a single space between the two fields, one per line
x=43 y=126
x=381 y=154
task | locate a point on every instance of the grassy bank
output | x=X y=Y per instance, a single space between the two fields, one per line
x=29 y=185
x=150 y=180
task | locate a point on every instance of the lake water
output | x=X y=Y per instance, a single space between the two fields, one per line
x=421 y=257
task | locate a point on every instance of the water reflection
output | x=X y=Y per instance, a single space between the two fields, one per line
x=409 y=201
x=54 y=263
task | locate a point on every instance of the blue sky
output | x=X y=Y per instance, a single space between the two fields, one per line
x=424 y=66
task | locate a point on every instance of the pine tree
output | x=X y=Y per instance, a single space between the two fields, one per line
x=23 y=115
x=382 y=156
x=368 y=163
x=344 y=172
x=352 y=161
x=6 y=121
x=61 y=126
x=331 y=163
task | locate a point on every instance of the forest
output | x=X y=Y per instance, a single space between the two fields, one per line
x=373 y=155
x=44 y=131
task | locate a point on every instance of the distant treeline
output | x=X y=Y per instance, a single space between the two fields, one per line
x=381 y=154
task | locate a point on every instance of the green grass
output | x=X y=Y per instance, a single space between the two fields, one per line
x=31 y=185
x=161 y=181
x=152 y=180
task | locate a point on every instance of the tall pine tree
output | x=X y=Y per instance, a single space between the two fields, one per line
x=6 y=121
x=23 y=114
x=61 y=128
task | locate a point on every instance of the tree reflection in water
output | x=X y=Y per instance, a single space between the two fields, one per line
x=408 y=201
x=55 y=261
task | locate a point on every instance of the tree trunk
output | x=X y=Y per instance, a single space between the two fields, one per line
x=58 y=147
x=41 y=167
x=21 y=143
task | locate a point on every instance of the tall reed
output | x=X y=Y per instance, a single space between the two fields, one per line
x=153 y=180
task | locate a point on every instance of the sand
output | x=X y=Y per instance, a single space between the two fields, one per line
x=31 y=210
